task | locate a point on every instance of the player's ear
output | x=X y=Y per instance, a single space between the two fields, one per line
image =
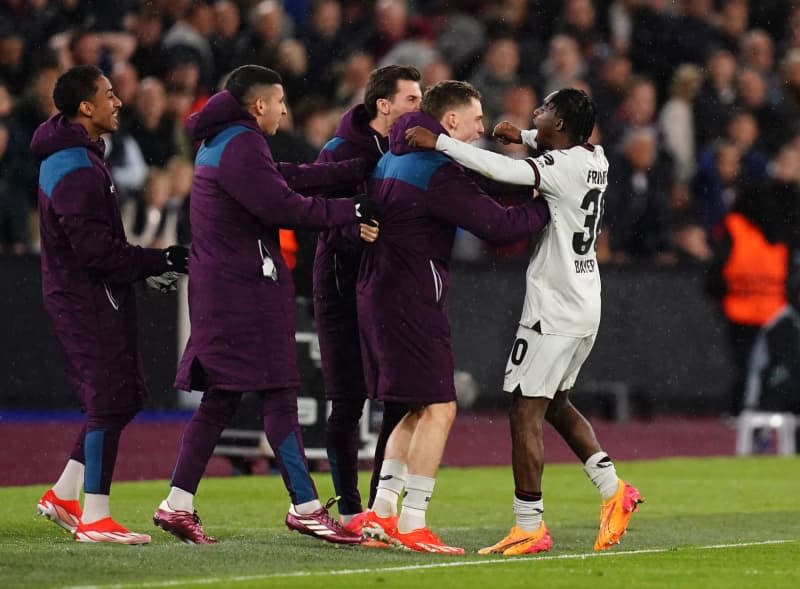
x=560 y=125
x=86 y=108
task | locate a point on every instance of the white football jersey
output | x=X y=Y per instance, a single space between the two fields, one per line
x=563 y=280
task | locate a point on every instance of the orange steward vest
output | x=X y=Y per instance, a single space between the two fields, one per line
x=755 y=274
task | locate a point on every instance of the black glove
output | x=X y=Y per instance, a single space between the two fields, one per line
x=178 y=259
x=367 y=210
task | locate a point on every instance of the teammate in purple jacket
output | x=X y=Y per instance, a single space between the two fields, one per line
x=88 y=271
x=241 y=295
x=402 y=288
x=391 y=91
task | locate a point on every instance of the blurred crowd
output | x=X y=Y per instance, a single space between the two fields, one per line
x=699 y=100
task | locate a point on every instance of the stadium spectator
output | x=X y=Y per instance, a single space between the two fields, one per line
x=716 y=98
x=239 y=200
x=732 y=24
x=326 y=42
x=88 y=271
x=152 y=128
x=743 y=132
x=564 y=64
x=677 y=121
x=150 y=55
x=269 y=25
x=637 y=211
x=717 y=184
x=496 y=74
x=226 y=36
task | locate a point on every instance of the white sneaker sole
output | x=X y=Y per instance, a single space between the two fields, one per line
x=58 y=515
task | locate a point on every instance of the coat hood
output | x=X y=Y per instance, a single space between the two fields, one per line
x=397 y=135
x=221 y=111
x=58 y=133
x=354 y=127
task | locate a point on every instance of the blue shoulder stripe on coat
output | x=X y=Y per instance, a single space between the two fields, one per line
x=57 y=165
x=211 y=151
x=415 y=168
x=332 y=144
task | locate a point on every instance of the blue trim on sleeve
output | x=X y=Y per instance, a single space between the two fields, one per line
x=93 y=453
x=57 y=165
x=415 y=168
x=210 y=152
x=291 y=456
x=332 y=144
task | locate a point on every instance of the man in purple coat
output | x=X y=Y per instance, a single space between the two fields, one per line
x=88 y=271
x=402 y=287
x=391 y=91
x=241 y=295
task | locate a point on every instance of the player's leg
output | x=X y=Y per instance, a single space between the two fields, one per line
x=61 y=503
x=535 y=365
x=176 y=513
x=101 y=444
x=342 y=441
x=619 y=499
x=393 y=412
x=425 y=452
x=381 y=520
x=282 y=428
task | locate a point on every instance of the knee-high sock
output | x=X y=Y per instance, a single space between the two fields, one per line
x=392 y=414
x=342 y=440
x=201 y=436
x=283 y=434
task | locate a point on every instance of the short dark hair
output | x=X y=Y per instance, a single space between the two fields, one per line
x=445 y=95
x=578 y=111
x=382 y=83
x=75 y=85
x=242 y=80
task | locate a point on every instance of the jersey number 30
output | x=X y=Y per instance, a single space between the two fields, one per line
x=593 y=205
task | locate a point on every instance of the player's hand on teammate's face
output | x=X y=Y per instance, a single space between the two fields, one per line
x=421 y=137
x=369 y=233
x=507 y=133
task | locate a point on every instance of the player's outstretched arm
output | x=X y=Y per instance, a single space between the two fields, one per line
x=487 y=163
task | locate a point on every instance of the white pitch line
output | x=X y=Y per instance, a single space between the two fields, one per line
x=416 y=567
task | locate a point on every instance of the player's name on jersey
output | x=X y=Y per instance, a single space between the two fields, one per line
x=597 y=177
x=584 y=266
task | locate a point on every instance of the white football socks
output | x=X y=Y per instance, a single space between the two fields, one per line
x=178 y=500
x=392 y=480
x=528 y=514
x=308 y=507
x=415 y=503
x=602 y=473
x=95 y=507
x=69 y=484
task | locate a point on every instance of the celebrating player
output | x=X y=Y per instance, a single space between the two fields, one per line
x=391 y=91
x=561 y=311
x=241 y=294
x=88 y=271
x=402 y=287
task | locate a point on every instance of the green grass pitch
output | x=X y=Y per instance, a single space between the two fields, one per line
x=705 y=523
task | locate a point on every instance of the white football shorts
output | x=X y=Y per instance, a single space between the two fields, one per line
x=541 y=365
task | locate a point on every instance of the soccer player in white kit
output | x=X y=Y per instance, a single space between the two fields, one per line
x=561 y=312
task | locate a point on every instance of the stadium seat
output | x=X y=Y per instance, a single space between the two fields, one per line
x=783 y=424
